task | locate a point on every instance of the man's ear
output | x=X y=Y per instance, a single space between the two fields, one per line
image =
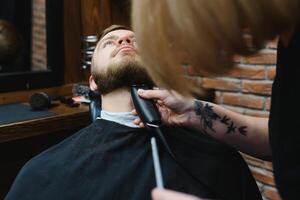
x=93 y=85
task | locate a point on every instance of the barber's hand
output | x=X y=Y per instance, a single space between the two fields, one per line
x=162 y=194
x=173 y=107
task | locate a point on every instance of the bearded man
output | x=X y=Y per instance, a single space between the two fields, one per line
x=111 y=158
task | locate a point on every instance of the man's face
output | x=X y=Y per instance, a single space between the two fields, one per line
x=116 y=62
x=115 y=47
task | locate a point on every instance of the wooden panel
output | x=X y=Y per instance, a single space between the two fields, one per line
x=88 y=17
x=23 y=96
x=120 y=12
x=95 y=16
x=63 y=121
x=72 y=33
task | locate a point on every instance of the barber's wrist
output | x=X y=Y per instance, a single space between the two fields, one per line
x=191 y=119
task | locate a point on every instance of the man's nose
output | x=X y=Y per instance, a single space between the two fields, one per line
x=125 y=40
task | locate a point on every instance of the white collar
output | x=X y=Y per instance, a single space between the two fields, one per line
x=124 y=118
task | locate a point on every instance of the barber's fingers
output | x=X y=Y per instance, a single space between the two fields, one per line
x=138 y=122
x=134 y=112
x=153 y=94
x=163 y=194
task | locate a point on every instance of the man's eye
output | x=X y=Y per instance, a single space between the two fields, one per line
x=108 y=43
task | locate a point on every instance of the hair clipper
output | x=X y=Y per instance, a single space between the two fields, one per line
x=149 y=114
x=145 y=108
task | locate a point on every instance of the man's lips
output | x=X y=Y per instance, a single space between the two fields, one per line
x=125 y=48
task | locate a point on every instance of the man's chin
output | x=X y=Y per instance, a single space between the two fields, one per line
x=126 y=59
x=126 y=55
x=122 y=73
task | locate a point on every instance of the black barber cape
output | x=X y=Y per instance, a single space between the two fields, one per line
x=109 y=161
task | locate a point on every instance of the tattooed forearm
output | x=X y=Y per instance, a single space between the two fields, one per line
x=208 y=117
x=225 y=120
x=242 y=130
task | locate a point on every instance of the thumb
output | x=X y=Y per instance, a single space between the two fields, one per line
x=153 y=94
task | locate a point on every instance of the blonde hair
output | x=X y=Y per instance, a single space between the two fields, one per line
x=210 y=32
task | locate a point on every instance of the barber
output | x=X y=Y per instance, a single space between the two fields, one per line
x=210 y=33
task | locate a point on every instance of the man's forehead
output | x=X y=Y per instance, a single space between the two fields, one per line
x=117 y=33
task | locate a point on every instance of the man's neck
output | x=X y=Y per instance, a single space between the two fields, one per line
x=117 y=101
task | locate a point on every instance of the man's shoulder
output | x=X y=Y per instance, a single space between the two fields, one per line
x=71 y=148
x=64 y=150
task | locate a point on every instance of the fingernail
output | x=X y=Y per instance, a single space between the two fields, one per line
x=140 y=91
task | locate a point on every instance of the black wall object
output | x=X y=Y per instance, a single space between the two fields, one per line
x=19 y=14
x=55 y=55
x=40 y=101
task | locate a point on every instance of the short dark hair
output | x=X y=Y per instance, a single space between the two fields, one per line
x=113 y=28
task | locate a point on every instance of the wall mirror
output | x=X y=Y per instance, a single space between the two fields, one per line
x=31 y=44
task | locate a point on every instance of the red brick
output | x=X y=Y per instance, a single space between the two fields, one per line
x=272 y=44
x=197 y=81
x=261 y=58
x=218 y=98
x=38 y=30
x=39 y=53
x=39 y=22
x=256 y=113
x=257 y=87
x=237 y=59
x=249 y=101
x=268 y=103
x=271 y=72
x=253 y=161
x=38 y=66
x=268 y=165
x=39 y=44
x=39 y=61
x=250 y=72
x=235 y=109
x=222 y=84
x=38 y=14
x=39 y=57
x=271 y=193
x=39 y=3
x=263 y=176
x=191 y=72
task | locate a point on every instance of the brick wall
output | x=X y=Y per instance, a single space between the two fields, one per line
x=39 y=51
x=247 y=90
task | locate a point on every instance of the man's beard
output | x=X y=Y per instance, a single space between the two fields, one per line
x=122 y=75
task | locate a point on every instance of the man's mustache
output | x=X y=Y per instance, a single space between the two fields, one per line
x=117 y=50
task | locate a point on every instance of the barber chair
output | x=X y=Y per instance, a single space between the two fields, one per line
x=95 y=105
